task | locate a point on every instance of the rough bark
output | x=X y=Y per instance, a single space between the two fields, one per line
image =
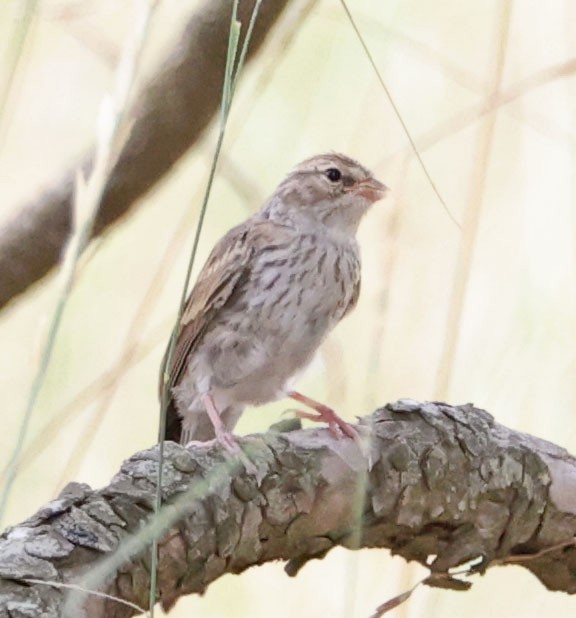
x=438 y=484
x=171 y=112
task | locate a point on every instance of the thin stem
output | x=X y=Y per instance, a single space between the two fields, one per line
x=16 y=48
x=88 y=196
x=398 y=114
x=228 y=89
x=134 y=544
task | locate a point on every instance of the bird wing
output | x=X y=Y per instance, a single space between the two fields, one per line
x=226 y=266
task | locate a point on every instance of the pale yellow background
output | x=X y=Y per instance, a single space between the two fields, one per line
x=515 y=353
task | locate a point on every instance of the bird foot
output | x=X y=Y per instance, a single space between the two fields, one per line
x=225 y=438
x=338 y=427
x=229 y=442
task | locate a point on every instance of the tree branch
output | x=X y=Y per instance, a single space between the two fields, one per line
x=438 y=484
x=170 y=114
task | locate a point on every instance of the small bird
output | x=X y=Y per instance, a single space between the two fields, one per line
x=271 y=290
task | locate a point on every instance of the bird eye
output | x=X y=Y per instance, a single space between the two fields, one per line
x=333 y=174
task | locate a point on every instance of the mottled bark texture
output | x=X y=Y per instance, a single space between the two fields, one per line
x=170 y=114
x=437 y=484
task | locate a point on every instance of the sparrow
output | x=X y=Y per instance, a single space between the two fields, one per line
x=270 y=292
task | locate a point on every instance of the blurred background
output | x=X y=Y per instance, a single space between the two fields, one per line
x=482 y=314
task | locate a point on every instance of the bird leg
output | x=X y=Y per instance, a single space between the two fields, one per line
x=324 y=414
x=223 y=436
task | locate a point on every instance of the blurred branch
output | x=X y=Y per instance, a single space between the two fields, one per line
x=491 y=103
x=445 y=485
x=172 y=111
x=472 y=214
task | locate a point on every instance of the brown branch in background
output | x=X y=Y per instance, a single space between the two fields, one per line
x=172 y=111
x=165 y=127
x=134 y=349
x=441 y=485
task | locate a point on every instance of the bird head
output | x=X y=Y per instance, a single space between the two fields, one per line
x=329 y=189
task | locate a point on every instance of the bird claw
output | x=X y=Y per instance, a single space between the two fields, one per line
x=225 y=438
x=318 y=418
x=229 y=442
x=337 y=426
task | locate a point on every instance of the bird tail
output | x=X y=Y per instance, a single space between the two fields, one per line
x=174 y=427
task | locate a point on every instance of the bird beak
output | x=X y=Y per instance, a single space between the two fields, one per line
x=371 y=189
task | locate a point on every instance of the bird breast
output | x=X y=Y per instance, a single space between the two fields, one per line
x=303 y=289
x=293 y=294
